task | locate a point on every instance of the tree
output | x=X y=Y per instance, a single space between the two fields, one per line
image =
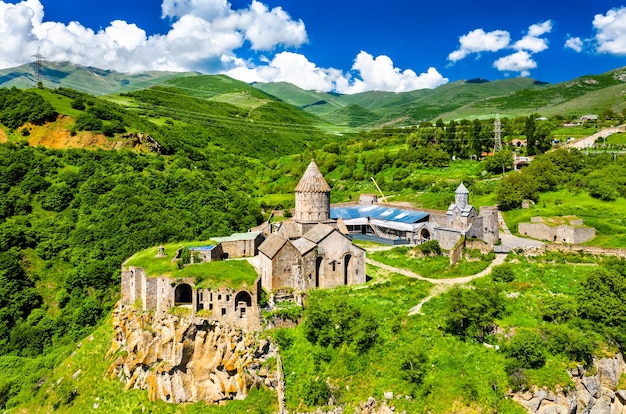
x=527 y=348
x=514 y=189
x=470 y=313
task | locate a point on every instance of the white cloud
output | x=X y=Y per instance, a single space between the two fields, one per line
x=478 y=41
x=574 y=43
x=369 y=74
x=380 y=74
x=202 y=32
x=611 y=31
x=532 y=42
x=205 y=34
x=520 y=62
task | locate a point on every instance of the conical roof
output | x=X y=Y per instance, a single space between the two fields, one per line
x=312 y=181
x=461 y=189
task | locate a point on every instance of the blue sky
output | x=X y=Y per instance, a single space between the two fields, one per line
x=341 y=45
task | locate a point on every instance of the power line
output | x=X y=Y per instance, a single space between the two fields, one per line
x=38 y=64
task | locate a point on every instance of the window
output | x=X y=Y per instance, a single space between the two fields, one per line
x=223 y=311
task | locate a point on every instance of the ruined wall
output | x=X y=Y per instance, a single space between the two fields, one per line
x=447 y=238
x=559 y=234
x=490 y=225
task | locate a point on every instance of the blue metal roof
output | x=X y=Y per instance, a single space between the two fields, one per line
x=200 y=248
x=377 y=212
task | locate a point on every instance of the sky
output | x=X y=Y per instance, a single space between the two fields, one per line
x=343 y=46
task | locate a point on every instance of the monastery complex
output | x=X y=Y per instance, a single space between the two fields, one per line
x=313 y=249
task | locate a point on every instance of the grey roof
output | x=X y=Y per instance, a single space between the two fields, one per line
x=377 y=212
x=318 y=232
x=272 y=245
x=461 y=189
x=249 y=235
x=312 y=181
x=289 y=229
x=303 y=245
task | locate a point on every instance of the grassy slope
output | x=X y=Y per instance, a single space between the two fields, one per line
x=84 y=371
x=86 y=79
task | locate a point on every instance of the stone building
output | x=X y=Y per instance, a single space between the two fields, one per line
x=309 y=251
x=567 y=229
x=371 y=220
x=234 y=306
x=240 y=244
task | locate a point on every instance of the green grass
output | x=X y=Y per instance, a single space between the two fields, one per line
x=432 y=267
x=616 y=139
x=92 y=386
x=606 y=217
x=233 y=273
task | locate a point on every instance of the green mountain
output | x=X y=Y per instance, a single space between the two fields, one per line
x=473 y=98
x=86 y=79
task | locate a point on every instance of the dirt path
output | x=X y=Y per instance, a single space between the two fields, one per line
x=441 y=285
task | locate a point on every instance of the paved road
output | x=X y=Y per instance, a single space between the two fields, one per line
x=589 y=141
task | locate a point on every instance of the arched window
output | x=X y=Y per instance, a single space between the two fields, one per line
x=183 y=294
x=318 y=268
x=243 y=300
x=346 y=268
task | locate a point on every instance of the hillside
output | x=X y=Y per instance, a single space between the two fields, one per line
x=473 y=98
x=91 y=80
x=86 y=182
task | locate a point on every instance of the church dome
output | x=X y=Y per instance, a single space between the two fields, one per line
x=312 y=197
x=312 y=181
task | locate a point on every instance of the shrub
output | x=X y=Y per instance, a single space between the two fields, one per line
x=316 y=392
x=430 y=248
x=557 y=308
x=503 y=273
x=527 y=348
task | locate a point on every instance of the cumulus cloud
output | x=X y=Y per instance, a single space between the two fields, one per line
x=369 y=73
x=611 y=31
x=520 y=62
x=574 y=43
x=203 y=32
x=532 y=42
x=204 y=35
x=478 y=41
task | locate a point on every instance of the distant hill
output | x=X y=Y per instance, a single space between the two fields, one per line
x=472 y=98
x=85 y=79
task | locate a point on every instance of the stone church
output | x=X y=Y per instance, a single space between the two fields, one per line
x=309 y=251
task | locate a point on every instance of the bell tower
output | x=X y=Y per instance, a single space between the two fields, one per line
x=312 y=197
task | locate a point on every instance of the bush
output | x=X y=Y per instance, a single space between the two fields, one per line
x=316 y=392
x=503 y=273
x=557 y=308
x=527 y=348
x=430 y=248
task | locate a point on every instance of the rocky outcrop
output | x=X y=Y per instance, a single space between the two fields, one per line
x=595 y=391
x=187 y=359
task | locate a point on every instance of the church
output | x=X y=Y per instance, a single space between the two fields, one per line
x=309 y=251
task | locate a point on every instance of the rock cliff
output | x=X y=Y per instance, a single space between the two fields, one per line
x=595 y=391
x=187 y=359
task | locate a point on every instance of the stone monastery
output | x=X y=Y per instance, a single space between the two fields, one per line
x=314 y=249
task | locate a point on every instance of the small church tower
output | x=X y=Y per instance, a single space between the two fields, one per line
x=312 y=197
x=461 y=197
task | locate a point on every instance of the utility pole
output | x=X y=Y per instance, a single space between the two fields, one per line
x=497 y=132
x=38 y=64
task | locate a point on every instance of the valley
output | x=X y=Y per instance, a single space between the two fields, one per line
x=90 y=177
